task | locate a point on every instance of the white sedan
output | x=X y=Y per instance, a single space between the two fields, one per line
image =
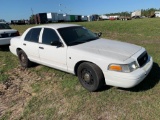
x=77 y=50
x=6 y=33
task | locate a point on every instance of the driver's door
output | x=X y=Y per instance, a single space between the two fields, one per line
x=52 y=55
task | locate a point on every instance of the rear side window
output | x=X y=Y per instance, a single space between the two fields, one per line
x=33 y=35
x=49 y=36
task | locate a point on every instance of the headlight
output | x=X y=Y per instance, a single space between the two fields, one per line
x=123 y=67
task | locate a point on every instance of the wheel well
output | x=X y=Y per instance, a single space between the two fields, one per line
x=18 y=49
x=77 y=65
x=80 y=62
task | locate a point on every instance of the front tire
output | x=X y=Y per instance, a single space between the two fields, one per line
x=24 y=61
x=90 y=76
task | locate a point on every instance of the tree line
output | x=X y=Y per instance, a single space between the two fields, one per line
x=144 y=12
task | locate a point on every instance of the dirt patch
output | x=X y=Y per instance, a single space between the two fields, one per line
x=16 y=91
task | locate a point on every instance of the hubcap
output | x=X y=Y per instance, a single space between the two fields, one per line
x=87 y=77
x=23 y=58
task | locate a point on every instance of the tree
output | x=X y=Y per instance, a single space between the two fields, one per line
x=144 y=12
x=32 y=19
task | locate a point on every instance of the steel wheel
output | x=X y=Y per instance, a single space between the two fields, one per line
x=87 y=77
x=90 y=76
x=24 y=61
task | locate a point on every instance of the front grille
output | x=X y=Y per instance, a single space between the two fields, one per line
x=142 y=59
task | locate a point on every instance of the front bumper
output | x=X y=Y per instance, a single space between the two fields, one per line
x=128 y=80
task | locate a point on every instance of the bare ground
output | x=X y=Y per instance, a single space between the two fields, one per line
x=15 y=93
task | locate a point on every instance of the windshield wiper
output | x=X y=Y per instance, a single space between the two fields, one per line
x=79 y=42
x=76 y=42
x=90 y=39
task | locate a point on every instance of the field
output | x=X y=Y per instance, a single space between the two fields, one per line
x=43 y=93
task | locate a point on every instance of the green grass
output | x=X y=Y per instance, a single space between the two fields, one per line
x=7 y=62
x=59 y=95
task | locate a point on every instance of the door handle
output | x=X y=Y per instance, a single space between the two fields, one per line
x=24 y=44
x=41 y=47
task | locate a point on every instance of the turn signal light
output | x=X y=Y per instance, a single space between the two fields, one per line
x=115 y=68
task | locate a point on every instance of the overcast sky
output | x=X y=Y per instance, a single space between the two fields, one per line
x=22 y=9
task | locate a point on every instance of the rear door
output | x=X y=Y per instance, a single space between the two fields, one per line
x=31 y=44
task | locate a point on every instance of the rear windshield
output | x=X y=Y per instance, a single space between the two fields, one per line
x=4 y=26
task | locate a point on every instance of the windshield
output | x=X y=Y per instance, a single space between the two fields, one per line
x=76 y=35
x=4 y=26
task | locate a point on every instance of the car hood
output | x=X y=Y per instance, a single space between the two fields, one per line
x=7 y=31
x=108 y=49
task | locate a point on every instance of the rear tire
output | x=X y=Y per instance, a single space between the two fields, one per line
x=90 y=76
x=24 y=61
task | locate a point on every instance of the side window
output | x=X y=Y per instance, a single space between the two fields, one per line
x=33 y=35
x=49 y=36
x=28 y=35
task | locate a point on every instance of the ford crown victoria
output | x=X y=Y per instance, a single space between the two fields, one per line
x=77 y=50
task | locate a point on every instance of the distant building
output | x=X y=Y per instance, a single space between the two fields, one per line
x=104 y=17
x=136 y=14
x=114 y=17
x=157 y=13
x=19 y=22
x=40 y=18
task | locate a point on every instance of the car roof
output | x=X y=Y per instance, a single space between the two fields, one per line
x=3 y=22
x=57 y=25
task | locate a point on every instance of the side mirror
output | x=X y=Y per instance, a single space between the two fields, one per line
x=56 y=43
x=99 y=34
